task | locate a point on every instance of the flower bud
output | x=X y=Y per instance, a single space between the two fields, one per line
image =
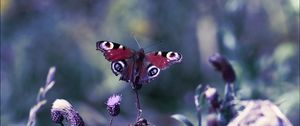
x=221 y=64
x=142 y=122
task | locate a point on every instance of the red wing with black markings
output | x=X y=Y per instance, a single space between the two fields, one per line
x=156 y=61
x=114 y=51
x=136 y=66
x=163 y=60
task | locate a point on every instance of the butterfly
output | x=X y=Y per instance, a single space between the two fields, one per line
x=136 y=66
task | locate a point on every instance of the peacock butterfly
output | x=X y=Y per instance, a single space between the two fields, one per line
x=136 y=66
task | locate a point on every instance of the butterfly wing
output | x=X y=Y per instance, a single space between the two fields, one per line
x=113 y=51
x=163 y=60
x=127 y=74
x=120 y=58
x=156 y=61
x=131 y=69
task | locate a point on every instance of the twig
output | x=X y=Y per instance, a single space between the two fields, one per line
x=198 y=101
x=138 y=105
x=111 y=121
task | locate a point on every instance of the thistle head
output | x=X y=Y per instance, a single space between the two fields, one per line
x=113 y=105
x=62 y=109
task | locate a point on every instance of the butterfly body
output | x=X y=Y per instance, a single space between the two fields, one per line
x=136 y=66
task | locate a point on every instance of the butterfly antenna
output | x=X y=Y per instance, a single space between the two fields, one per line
x=136 y=41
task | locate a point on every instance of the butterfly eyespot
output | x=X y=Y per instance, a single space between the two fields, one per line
x=118 y=67
x=173 y=56
x=153 y=71
x=107 y=45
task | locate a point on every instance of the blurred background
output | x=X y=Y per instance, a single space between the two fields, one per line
x=259 y=37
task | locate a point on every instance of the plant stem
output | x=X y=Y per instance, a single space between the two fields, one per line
x=229 y=92
x=138 y=105
x=199 y=116
x=111 y=120
x=228 y=110
x=198 y=101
